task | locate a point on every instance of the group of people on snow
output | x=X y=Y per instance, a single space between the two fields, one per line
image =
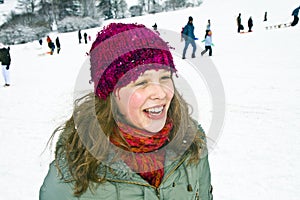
x=241 y=26
x=85 y=36
x=51 y=45
x=57 y=45
x=188 y=35
x=5 y=58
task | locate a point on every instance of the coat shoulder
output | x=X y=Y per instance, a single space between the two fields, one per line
x=54 y=187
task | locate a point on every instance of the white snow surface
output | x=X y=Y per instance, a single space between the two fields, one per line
x=257 y=154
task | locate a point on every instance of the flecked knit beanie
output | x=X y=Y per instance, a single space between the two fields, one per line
x=122 y=52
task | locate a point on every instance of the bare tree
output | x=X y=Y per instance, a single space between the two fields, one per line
x=142 y=4
x=27 y=5
x=119 y=8
x=105 y=8
x=88 y=8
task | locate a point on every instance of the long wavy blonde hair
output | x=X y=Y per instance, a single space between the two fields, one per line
x=90 y=112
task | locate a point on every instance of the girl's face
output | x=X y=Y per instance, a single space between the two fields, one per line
x=145 y=102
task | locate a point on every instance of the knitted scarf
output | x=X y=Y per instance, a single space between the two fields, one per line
x=149 y=166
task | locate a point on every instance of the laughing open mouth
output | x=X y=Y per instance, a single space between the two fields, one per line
x=155 y=110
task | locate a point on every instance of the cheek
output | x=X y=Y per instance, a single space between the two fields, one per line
x=123 y=100
x=129 y=101
x=136 y=100
x=170 y=91
x=134 y=108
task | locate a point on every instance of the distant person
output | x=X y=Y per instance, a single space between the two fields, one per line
x=239 y=23
x=207 y=28
x=85 y=38
x=250 y=24
x=208 y=44
x=265 y=17
x=48 y=39
x=79 y=36
x=208 y=25
x=90 y=38
x=51 y=45
x=296 y=18
x=41 y=42
x=57 y=42
x=189 y=37
x=154 y=27
x=5 y=63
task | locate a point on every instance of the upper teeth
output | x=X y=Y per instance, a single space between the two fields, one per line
x=157 y=109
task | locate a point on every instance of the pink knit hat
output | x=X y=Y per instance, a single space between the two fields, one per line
x=129 y=49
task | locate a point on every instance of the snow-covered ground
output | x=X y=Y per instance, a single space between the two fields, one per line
x=257 y=154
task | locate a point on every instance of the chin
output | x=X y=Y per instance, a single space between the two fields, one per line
x=155 y=126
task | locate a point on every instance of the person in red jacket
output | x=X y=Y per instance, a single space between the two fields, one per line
x=51 y=45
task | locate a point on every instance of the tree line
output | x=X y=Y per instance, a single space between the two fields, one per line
x=56 y=10
x=34 y=19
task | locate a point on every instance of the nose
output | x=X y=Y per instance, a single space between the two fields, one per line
x=158 y=91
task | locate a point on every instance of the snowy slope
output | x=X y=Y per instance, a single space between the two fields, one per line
x=257 y=154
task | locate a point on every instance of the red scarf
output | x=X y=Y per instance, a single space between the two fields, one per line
x=149 y=166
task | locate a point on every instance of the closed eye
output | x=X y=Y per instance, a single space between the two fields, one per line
x=140 y=83
x=165 y=77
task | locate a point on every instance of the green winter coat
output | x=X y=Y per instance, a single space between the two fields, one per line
x=181 y=181
x=131 y=186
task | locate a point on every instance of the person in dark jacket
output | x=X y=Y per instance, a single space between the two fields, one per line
x=250 y=24
x=208 y=25
x=57 y=42
x=154 y=27
x=239 y=23
x=79 y=36
x=133 y=136
x=85 y=37
x=5 y=63
x=265 y=17
x=296 y=18
x=189 y=37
